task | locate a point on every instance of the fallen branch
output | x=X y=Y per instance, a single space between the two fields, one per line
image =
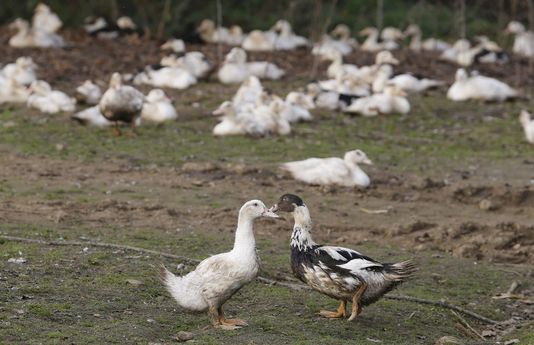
x=293 y=286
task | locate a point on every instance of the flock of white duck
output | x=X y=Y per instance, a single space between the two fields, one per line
x=367 y=90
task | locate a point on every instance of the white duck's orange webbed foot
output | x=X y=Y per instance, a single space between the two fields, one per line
x=340 y=312
x=228 y=324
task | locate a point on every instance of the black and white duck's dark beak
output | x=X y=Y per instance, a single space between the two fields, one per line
x=269 y=213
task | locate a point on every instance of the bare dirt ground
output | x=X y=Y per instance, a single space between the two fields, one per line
x=453 y=186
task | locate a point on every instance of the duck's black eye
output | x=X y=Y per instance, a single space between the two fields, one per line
x=255 y=204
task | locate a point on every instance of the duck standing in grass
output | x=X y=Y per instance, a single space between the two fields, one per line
x=216 y=279
x=341 y=273
x=121 y=103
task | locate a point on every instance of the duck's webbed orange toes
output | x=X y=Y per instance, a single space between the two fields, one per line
x=229 y=324
x=340 y=312
x=236 y=322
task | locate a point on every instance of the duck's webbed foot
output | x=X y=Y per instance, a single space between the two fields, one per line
x=340 y=312
x=220 y=321
x=356 y=307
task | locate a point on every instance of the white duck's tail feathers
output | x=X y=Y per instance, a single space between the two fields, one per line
x=400 y=271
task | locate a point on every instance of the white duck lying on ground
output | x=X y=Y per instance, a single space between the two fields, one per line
x=390 y=36
x=88 y=93
x=121 y=103
x=45 y=20
x=286 y=39
x=171 y=77
x=212 y=34
x=479 y=87
x=258 y=119
x=528 y=125
x=371 y=43
x=216 y=279
x=298 y=106
x=258 y=40
x=22 y=71
x=158 y=108
x=27 y=36
x=391 y=101
x=235 y=68
x=50 y=101
x=339 y=40
x=416 y=43
x=341 y=273
x=331 y=171
x=248 y=92
x=194 y=62
x=451 y=54
x=413 y=83
x=91 y=117
x=177 y=46
x=12 y=92
x=337 y=66
x=524 y=40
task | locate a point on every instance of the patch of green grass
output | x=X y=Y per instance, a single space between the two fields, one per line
x=40 y=310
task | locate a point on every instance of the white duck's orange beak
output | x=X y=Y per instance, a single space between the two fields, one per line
x=269 y=213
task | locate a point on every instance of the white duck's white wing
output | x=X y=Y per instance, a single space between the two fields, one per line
x=319 y=170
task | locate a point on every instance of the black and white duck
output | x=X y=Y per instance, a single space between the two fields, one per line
x=341 y=273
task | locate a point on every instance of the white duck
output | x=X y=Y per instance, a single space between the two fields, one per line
x=297 y=107
x=258 y=40
x=195 y=62
x=524 y=40
x=390 y=35
x=171 y=77
x=371 y=42
x=88 y=93
x=91 y=117
x=175 y=45
x=337 y=67
x=416 y=43
x=459 y=47
x=12 y=92
x=45 y=20
x=22 y=71
x=121 y=103
x=158 y=108
x=248 y=92
x=286 y=39
x=528 y=125
x=50 y=101
x=331 y=171
x=339 y=40
x=235 y=68
x=413 y=83
x=479 y=87
x=216 y=279
x=212 y=34
x=391 y=100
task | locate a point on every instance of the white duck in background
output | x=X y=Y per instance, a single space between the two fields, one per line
x=391 y=101
x=414 y=84
x=337 y=66
x=524 y=40
x=258 y=40
x=121 y=103
x=390 y=36
x=459 y=47
x=216 y=279
x=331 y=171
x=479 y=87
x=171 y=77
x=46 y=100
x=12 y=92
x=22 y=71
x=194 y=62
x=371 y=43
x=91 y=117
x=88 y=93
x=339 y=40
x=235 y=68
x=528 y=125
x=27 y=36
x=158 y=107
x=298 y=107
x=212 y=34
x=177 y=46
x=248 y=92
x=416 y=43
x=286 y=38
x=45 y=20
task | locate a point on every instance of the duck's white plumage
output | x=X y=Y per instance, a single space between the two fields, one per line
x=410 y=83
x=528 y=125
x=524 y=40
x=46 y=20
x=219 y=277
x=176 y=45
x=331 y=171
x=479 y=87
x=91 y=117
x=88 y=93
x=391 y=100
x=158 y=108
x=46 y=100
x=27 y=36
x=236 y=69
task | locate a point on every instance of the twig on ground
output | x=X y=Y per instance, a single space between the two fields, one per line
x=293 y=286
x=463 y=322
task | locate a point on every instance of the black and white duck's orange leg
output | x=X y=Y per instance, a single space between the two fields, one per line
x=356 y=308
x=225 y=323
x=340 y=312
x=132 y=133
x=115 y=129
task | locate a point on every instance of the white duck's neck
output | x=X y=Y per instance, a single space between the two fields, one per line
x=301 y=237
x=245 y=243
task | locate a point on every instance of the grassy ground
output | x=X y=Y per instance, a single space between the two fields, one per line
x=71 y=295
